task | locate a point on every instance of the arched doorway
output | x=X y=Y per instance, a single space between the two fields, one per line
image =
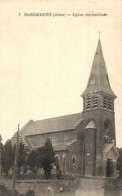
x=57 y=161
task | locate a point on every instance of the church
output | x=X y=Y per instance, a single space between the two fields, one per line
x=84 y=143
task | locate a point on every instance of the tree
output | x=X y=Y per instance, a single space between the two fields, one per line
x=21 y=159
x=31 y=160
x=7 y=157
x=42 y=157
x=47 y=158
x=39 y=157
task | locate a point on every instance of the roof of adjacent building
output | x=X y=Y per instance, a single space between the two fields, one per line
x=108 y=147
x=98 y=79
x=110 y=151
x=61 y=123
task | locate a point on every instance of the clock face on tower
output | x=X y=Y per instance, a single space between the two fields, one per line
x=92 y=82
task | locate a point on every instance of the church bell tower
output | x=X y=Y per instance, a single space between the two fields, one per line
x=98 y=114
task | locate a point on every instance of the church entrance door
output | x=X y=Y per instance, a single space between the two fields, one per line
x=109 y=168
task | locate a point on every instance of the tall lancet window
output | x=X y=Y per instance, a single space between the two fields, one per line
x=107 y=103
x=91 y=101
x=94 y=101
x=88 y=102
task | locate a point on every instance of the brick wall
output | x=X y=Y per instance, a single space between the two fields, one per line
x=56 y=137
x=73 y=161
x=100 y=116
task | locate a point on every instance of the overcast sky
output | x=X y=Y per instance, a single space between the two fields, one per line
x=45 y=61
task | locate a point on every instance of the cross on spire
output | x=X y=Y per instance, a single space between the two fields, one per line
x=99 y=34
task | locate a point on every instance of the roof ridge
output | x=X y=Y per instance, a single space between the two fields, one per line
x=60 y=123
x=55 y=117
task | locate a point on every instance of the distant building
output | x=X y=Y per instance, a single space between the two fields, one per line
x=84 y=143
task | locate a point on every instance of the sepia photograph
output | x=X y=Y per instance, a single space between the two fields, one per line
x=60 y=98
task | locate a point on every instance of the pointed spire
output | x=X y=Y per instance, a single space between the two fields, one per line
x=98 y=79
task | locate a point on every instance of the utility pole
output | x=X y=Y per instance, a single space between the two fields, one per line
x=15 y=161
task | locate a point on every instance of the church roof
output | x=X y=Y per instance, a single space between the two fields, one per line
x=110 y=152
x=98 y=79
x=61 y=123
x=108 y=147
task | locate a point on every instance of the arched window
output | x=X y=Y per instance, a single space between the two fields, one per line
x=88 y=102
x=73 y=160
x=106 y=139
x=108 y=131
x=107 y=103
x=91 y=101
x=57 y=157
x=57 y=161
x=94 y=101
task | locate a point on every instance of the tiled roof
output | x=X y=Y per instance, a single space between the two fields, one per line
x=61 y=123
x=110 y=151
x=108 y=147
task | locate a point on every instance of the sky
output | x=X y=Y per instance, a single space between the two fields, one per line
x=45 y=61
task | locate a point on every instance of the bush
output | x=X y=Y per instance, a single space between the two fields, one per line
x=4 y=191
x=30 y=193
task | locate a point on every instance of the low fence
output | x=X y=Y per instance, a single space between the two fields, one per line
x=43 y=187
x=72 y=187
